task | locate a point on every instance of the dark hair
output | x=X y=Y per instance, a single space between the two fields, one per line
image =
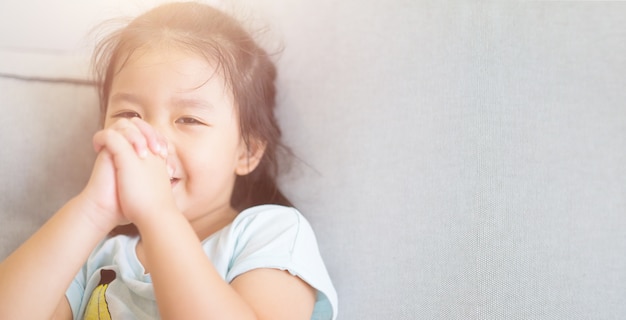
x=245 y=66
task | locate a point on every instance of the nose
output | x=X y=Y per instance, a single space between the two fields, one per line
x=164 y=139
x=171 y=169
x=160 y=132
x=168 y=144
x=168 y=152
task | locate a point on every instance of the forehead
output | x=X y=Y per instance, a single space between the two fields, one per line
x=167 y=66
x=185 y=60
x=172 y=78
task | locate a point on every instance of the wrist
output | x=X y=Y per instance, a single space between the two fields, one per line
x=159 y=222
x=96 y=217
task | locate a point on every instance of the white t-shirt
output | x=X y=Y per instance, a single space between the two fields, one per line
x=113 y=285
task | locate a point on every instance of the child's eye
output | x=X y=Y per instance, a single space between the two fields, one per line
x=189 y=120
x=127 y=114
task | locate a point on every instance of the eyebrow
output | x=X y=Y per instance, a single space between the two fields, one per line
x=191 y=102
x=178 y=102
x=125 y=97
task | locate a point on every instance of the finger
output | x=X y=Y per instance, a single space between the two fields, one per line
x=156 y=142
x=117 y=145
x=133 y=134
x=121 y=132
x=136 y=139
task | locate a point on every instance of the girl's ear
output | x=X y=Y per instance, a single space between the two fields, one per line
x=249 y=156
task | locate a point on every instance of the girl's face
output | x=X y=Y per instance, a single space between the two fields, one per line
x=184 y=99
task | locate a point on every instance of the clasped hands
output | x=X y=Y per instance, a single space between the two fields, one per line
x=130 y=180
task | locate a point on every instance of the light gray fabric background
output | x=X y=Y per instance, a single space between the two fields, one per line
x=459 y=161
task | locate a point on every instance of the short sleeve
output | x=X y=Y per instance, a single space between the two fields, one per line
x=281 y=238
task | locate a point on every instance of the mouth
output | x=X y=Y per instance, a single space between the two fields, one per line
x=174 y=181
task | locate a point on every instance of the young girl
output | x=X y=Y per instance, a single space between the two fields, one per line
x=188 y=157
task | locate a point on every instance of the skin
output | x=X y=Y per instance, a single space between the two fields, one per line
x=167 y=160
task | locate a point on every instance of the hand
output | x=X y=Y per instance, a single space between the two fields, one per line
x=141 y=178
x=101 y=194
x=138 y=133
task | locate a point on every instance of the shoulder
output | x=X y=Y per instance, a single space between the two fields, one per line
x=273 y=216
x=278 y=237
x=269 y=233
x=270 y=224
x=273 y=224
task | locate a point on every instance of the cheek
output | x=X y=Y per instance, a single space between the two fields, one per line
x=206 y=160
x=214 y=154
x=208 y=177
